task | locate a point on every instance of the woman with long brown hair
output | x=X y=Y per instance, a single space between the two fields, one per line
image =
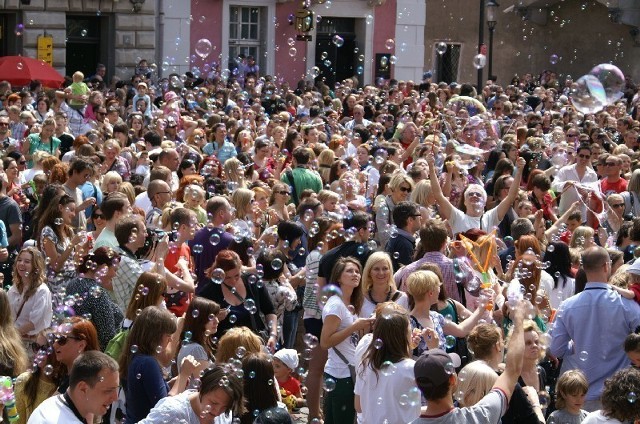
x=29 y=296
x=340 y=329
x=13 y=357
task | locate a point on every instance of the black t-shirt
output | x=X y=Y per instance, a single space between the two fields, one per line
x=360 y=251
x=239 y=314
x=66 y=142
x=9 y=214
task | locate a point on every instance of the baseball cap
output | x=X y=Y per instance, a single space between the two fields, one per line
x=634 y=268
x=434 y=368
x=289 y=357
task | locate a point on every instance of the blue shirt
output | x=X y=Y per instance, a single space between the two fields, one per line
x=144 y=387
x=589 y=331
x=224 y=152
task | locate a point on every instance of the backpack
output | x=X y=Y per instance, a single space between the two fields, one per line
x=116 y=344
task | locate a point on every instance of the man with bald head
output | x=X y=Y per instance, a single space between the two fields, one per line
x=590 y=327
x=159 y=194
x=170 y=158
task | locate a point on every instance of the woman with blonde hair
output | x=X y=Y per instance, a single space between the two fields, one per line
x=477 y=382
x=423 y=196
x=424 y=288
x=234 y=338
x=234 y=171
x=582 y=238
x=325 y=160
x=246 y=214
x=13 y=356
x=29 y=296
x=111 y=182
x=280 y=209
x=378 y=285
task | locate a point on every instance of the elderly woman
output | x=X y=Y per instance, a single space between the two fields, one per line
x=471 y=213
x=113 y=161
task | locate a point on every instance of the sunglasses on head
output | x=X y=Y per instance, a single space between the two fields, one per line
x=63 y=339
x=36 y=347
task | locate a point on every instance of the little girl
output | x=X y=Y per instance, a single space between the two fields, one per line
x=194 y=198
x=571 y=390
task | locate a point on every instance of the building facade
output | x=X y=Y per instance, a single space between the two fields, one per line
x=568 y=37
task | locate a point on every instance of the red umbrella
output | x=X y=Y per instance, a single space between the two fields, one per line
x=19 y=71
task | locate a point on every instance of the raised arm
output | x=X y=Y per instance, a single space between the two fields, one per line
x=503 y=207
x=444 y=206
x=507 y=381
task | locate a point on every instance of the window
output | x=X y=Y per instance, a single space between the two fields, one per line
x=246 y=33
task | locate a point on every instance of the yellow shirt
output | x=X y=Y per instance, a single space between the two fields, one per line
x=46 y=389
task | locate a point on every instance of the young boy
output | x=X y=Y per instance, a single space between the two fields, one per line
x=78 y=91
x=183 y=221
x=571 y=390
x=142 y=95
x=194 y=198
x=285 y=361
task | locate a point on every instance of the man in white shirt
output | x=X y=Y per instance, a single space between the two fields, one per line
x=93 y=386
x=358 y=118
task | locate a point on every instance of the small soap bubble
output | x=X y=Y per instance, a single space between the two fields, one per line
x=388 y=368
x=134 y=348
x=479 y=61
x=584 y=355
x=441 y=48
x=329 y=384
x=338 y=41
x=390 y=44
x=378 y=344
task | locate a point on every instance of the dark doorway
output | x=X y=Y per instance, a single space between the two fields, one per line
x=447 y=69
x=336 y=63
x=9 y=45
x=88 y=43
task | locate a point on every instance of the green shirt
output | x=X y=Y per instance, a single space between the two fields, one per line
x=36 y=144
x=303 y=179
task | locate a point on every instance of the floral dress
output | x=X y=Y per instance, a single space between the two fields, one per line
x=284 y=298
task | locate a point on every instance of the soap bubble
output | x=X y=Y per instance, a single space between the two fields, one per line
x=551 y=248
x=368 y=19
x=612 y=80
x=84 y=32
x=393 y=59
x=329 y=384
x=390 y=44
x=584 y=355
x=449 y=368
x=328 y=291
x=388 y=368
x=293 y=51
x=276 y=263
x=19 y=29
x=203 y=48
x=315 y=72
x=214 y=239
x=310 y=340
x=479 y=61
x=441 y=48
x=241 y=351
x=134 y=348
x=217 y=276
x=338 y=41
x=378 y=344
x=588 y=94
x=632 y=397
x=197 y=249
x=553 y=59
x=449 y=342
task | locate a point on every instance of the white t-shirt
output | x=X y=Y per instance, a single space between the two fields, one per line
x=336 y=366
x=178 y=409
x=489 y=410
x=143 y=202
x=53 y=410
x=596 y=417
x=383 y=399
x=368 y=307
x=563 y=292
x=461 y=222
x=37 y=309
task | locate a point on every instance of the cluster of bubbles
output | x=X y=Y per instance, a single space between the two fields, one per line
x=601 y=87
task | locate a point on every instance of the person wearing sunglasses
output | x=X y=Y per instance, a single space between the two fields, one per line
x=45 y=377
x=401 y=187
x=98 y=221
x=569 y=176
x=74 y=337
x=472 y=213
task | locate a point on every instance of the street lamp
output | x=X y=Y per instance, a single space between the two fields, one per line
x=492 y=20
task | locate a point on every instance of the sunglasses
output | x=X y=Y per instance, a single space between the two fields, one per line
x=283 y=192
x=584 y=156
x=610 y=164
x=35 y=347
x=4 y=124
x=405 y=189
x=98 y=215
x=22 y=162
x=618 y=205
x=62 y=339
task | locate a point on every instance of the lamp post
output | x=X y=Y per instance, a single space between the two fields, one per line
x=492 y=20
x=480 y=41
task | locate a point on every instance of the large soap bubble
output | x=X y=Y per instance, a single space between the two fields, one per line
x=612 y=80
x=588 y=95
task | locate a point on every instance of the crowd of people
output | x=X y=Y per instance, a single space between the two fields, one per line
x=236 y=250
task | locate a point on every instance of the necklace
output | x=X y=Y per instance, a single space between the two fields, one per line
x=373 y=300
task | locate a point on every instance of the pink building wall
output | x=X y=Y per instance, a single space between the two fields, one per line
x=210 y=29
x=385 y=21
x=289 y=68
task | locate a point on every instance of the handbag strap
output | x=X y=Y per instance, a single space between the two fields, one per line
x=340 y=355
x=21 y=307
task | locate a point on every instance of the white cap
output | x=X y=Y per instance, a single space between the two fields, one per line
x=289 y=357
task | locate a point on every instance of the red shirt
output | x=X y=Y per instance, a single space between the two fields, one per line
x=291 y=385
x=178 y=302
